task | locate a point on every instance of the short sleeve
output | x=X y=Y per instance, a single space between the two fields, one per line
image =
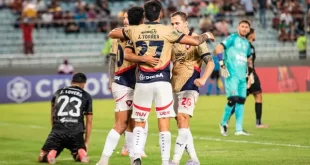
x=113 y=50
x=228 y=41
x=174 y=36
x=203 y=50
x=89 y=106
x=129 y=44
x=128 y=32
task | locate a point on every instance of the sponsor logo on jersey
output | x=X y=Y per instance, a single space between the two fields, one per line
x=68 y=120
x=142 y=77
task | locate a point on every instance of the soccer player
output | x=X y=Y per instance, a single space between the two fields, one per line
x=215 y=77
x=254 y=86
x=187 y=61
x=234 y=69
x=154 y=83
x=123 y=79
x=69 y=105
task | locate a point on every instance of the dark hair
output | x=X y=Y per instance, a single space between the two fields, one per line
x=79 y=78
x=181 y=14
x=245 y=21
x=135 y=15
x=250 y=32
x=152 y=10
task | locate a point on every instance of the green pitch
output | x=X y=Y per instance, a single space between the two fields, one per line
x=24 y=128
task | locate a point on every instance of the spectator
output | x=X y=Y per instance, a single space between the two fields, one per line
x=92 y=17
x=40 y=5
x=57 y=18
x=213 y=8
x=65 y=68
x=262 y=12
x=81 y=17
x=17 y=6
x=286 y=17
x=79 y=5
x=308 y=4
x=171 y=8
x=302 y=46
x=186 y=8
x=70 y=25
x=282 y=30
x=249 y=9
x=29 y=11
x=103 y=8
x=47 y=19
x=27 y=28
x=221 y=28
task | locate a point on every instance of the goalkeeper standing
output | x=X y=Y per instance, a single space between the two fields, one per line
x=233 y=62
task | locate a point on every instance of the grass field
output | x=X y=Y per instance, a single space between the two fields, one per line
x=24 y=128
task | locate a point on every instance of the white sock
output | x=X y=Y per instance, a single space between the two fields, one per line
x=165 y=146
x=146 y=129
x=129 y=142
x=109 y=147
x=138 y=140
x=190 y=147
x=180 y=144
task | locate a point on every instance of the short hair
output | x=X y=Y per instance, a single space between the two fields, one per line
x=181 y=14
x=135 y=15
x=152 y=10
x=79 y=78
x=250 y=32
x=245 y=21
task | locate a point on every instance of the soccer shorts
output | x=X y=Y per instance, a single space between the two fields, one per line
x=60 y=140
x=123 y=97
x=185 y=101
x=215 y=75
x=145 y=93
x=235 y=86
x=255 y=87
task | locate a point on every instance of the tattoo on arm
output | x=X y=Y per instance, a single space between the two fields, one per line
x=207 y=58
x=112 y=67
x=201 y=38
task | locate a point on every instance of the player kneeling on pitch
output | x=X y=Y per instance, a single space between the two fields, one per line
x=69 y=105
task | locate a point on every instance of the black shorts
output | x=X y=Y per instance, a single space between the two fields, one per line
x=60 y=140
x=215 y=75
x=255 y=88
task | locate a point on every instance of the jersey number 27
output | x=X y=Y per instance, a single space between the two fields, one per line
x=158 y=44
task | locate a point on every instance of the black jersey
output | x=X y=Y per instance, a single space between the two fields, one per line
x=69 y=105
x=253 y=55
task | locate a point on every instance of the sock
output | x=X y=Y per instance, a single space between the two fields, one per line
x=258 y=111
x=109 y=146
x=232 y=113
x=190 y=148
x=209 y=88
x=165 y=146
x=226 y=115
x=146 y=128
x=129 y=143
x=239 y=116
x=138 y=138
x=180 y=144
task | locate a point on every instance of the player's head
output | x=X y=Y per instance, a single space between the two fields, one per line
x=135 y=15
x=125 y=19
x=179 y=21
x=244 y=27
x=251 y=36
x=153 y=10
x=79 y=79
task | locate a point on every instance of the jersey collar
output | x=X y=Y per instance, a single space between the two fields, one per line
x=151 y=23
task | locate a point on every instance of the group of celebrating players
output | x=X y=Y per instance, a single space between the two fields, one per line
x=140 y=73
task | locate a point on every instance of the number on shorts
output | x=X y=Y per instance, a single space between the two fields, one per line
x=120 y=56
x=186 y=101
x=158 y=44
x=72 y=112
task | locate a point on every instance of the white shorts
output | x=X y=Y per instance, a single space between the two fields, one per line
x=146 y=93
x=123 y=97
x=185 y=101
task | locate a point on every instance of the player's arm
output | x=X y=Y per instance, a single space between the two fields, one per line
x=219 y=49
x=132 y=57
x=196 y=40
x=53 y=108
x=117 y=33
x=112 y=61
x=89 y=121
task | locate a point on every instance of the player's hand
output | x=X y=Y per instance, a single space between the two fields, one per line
x=150 y=60
x=86 y=146
x=199 y=82
x=223 y=71
x=210 y=36
x=250 y=80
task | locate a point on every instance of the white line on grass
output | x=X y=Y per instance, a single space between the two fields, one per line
x=195 y=137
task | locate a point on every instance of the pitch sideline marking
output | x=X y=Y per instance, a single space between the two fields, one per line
x=195 y=137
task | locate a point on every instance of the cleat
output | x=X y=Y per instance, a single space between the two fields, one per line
x=261 y=126
x=137 y=162
x=242 y=133
x=224 y=130
x=143 y=154
x=192 y=162
x=125 y=150
x=83 y=156
x=51 y=157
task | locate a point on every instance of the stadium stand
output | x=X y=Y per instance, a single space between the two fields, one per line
x=52 y=44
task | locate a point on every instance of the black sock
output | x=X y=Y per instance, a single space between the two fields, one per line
x=258 y=111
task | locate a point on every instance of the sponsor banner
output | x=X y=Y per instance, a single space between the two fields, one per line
x=41 y=88
x=18 y=89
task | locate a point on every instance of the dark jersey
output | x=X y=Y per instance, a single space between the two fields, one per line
x=253 y=55
x=69 y=105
